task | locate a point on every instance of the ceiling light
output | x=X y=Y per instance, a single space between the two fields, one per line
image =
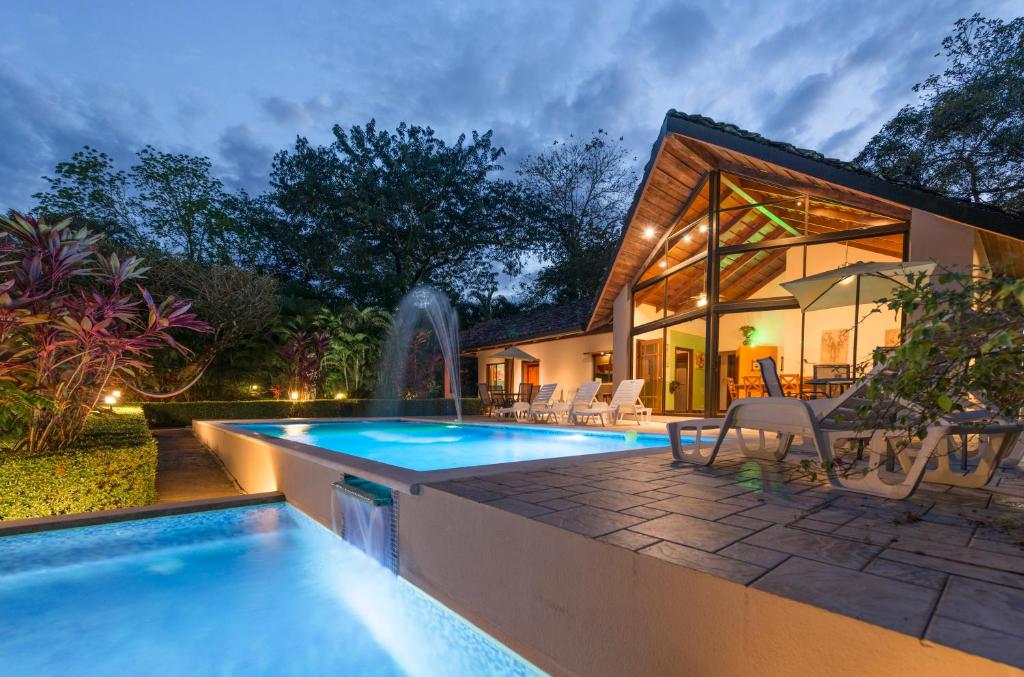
x=703 y=228
x=702 y=300
x=687 y=238
x=663 y=264
x=648 y=232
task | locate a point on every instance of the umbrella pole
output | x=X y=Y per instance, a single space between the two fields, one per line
x=856 y=326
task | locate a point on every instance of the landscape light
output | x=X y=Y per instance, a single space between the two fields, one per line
x=254 y=387
x=116 y=393
x=294 y=394
x=339 y=396
x=110 y=399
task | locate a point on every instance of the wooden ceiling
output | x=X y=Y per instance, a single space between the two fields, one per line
x=1003 y=252
x=667 y=201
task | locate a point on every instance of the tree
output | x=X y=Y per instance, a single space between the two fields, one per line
x=182 y=203
x=575 y=198
x=90 y=191
x=965 y=137
x=384 y=211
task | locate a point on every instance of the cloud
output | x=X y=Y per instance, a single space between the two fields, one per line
x=245 y=158
x=44 y=121
x=788 y=116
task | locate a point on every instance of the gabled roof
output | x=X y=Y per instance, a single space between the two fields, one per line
x=688 y=147
x=546 y=322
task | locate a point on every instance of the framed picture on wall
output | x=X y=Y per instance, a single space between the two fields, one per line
x=835 y=346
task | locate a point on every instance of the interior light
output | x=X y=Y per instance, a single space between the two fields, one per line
x=110 y=399
x=687 y=238
x=703 y=228
x=648 y=232
x=663 y=264
x=294 y=394
x=702 y=300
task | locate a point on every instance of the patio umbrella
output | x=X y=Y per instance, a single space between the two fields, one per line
x=514 y=353
x=848 y=285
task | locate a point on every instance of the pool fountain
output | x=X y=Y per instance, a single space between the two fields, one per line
x=364 y=514
x=422 y=303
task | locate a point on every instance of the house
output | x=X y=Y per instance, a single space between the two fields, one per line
x=721 y=219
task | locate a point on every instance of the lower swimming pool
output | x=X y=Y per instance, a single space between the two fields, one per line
x=256 y=590
x=424 y=446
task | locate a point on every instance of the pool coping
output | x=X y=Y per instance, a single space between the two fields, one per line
x=403 y=479
x=87 y=519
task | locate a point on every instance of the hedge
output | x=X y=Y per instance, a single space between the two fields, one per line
x=113 y=465
x=177 y=414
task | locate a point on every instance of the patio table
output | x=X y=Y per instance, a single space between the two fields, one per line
x=833 y=386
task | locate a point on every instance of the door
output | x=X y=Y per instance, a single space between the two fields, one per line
x=728 y=368
x=531 y=373
x=682 y=380
x=649 y=368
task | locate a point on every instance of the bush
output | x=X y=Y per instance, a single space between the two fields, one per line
x=174 y=414
x=112 y=465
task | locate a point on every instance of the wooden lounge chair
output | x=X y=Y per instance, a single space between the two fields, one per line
x=519 y=410
x=625 y=402
x=583 y=399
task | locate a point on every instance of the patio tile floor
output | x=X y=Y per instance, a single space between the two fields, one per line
x=946 y=566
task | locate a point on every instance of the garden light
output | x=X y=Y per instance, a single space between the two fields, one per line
x=116 y=393
x=339 y=396
x=294 y=394
x=110 y=399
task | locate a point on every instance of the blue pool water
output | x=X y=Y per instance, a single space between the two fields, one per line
x=246 y=591
x=435 y=446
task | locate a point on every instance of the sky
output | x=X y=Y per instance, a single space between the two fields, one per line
x=238 y=80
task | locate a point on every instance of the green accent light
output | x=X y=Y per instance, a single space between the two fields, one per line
x=762 y=232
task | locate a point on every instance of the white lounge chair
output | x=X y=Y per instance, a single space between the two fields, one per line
x=583 y=399
x=524 y=409
x=625 y=402
x=827 y=423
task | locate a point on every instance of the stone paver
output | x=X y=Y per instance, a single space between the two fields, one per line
x=590 y=521
x=734 y=570
x=875 y=599
x=186 y=470
x=692 y=531
x=946 y=565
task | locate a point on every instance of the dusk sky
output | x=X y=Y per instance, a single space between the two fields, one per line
x=237 y=81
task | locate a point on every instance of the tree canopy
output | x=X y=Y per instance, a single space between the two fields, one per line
x=965 y=137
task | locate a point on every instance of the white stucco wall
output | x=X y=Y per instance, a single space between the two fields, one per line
x=566 y=362
x=620 y=332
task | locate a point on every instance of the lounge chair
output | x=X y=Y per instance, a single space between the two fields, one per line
x=625 y=402
x=583 y=399
x=486 y=402
x=519 y=410
x=825 y=424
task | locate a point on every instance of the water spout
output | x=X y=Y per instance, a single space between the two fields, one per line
x=423 y=304
x=364 y=515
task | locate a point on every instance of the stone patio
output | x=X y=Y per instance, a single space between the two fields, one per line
x=946 y=565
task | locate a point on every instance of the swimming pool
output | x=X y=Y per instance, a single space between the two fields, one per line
x=254 y=590
x=424 y=446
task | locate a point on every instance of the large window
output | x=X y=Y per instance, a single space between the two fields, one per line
x=765 y=235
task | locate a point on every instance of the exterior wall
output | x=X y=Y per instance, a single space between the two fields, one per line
x=566 y=362
x=933 y=238
x=576 y=606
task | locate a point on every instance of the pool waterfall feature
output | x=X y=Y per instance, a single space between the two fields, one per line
x=423 y=304
x=365 y=514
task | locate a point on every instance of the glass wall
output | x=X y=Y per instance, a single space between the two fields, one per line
x=766 y=235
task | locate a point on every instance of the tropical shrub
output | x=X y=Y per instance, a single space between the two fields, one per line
x=112 y=465
x=962 y=345
x=73 y=322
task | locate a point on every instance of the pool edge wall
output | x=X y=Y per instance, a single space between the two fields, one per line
x=260 y=466
x=574 y=605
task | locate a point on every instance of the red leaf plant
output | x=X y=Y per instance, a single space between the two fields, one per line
x=73 y=321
